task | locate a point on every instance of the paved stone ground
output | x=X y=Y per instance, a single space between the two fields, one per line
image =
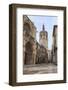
x=40 y=69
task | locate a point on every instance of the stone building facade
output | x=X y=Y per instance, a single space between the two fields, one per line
x=33 y=52
x=54 y=45
x=29 y=41
x=43 y=43
x=42 y=55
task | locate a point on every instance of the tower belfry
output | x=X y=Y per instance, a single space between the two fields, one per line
x=43 y=37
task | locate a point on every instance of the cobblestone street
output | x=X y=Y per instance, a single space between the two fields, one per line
x=40 y=69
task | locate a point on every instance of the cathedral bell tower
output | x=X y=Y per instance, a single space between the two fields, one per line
x=43 y=37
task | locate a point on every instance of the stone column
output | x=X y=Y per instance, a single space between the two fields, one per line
x=34 y=53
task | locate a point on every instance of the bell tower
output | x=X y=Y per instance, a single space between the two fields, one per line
x=43 y=37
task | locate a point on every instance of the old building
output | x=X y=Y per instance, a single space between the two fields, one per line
x=43 y=41
x=34 y=53
x=43 y=38
x=42 y=55
x=54 y=45
x=29 y=41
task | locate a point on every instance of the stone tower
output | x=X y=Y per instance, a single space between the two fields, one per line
x=43 y=37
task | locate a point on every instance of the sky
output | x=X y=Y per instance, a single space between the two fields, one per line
x=48 y=21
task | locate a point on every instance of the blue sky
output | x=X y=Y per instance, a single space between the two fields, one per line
x=49 y=22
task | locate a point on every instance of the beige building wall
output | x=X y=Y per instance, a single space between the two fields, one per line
x=29 y=41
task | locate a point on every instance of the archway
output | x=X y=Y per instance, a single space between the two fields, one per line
x=28 y=54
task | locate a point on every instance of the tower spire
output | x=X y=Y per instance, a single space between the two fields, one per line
x=43 y=28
